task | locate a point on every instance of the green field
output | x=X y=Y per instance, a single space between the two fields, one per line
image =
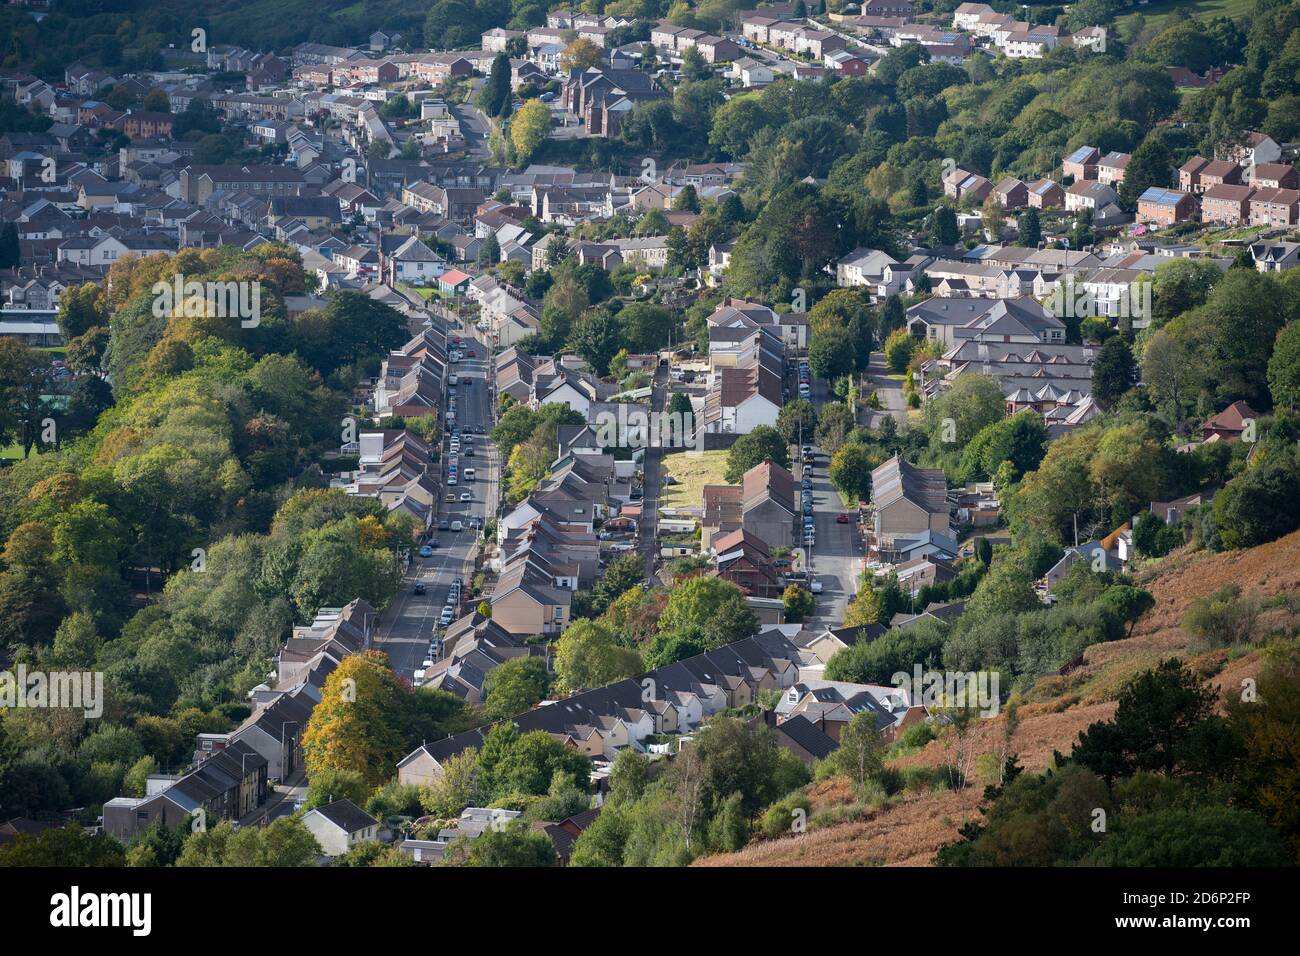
x=1158 y=14
x=693 y=472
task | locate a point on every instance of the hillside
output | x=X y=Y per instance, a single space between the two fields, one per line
x=908 y=831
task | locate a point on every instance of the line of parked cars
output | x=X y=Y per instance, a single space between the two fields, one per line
x=805 y=379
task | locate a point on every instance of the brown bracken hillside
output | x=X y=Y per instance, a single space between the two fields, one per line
x=908 y=831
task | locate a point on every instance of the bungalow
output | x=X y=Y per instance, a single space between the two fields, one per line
x=1230 y=424
x=454 y=282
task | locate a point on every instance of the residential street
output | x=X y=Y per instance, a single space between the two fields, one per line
x=409 y=623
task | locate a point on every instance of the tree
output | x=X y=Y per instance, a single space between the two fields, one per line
x=832 y=354
x=597 y=337
x=961 y=412
x=687 y=200
x=512 y=845
x=1151 y=165
x=750 y=450
x=834 y=426
x=513 y=763
x=850 y=471
x=861 y=753
x=800 y=604
x=529 y=128
x=515 y=686
x=1156 y=728
x=489 y=253
x=797 y=421
x=588 y=655
x=1020 y=440
x=1029 y=229
x=1284 y=368
x=1114 y=372
x=582 y=54
x=495 y=93
x=713 y=607
x=1203 y=836
x=645 y=327
x=1259 y=505
x=898 y=350
x=946 y=231
x=354 y=727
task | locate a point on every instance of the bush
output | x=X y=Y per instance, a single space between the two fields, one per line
x=780 y=818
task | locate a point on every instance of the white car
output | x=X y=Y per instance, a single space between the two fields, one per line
x=466 y=496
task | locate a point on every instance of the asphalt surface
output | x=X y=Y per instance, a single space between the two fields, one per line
x=411 y=620
x=836 y=558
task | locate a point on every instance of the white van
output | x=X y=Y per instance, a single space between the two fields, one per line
x=469 y=474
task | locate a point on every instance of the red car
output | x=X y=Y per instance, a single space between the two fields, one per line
x=472 y=354
x=841 y=518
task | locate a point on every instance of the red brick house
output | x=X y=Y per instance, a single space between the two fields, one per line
x=145 y=125
x=1275 y=207
x=1227 y=203
x=1165 y=207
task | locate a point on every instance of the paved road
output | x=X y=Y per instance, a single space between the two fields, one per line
x=836 y=558
x=409 y=623
x=888 y=390
x=474 y=126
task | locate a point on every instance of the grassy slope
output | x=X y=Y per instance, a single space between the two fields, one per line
x=1160 y=13
x=694 y=472
x=1056 y=710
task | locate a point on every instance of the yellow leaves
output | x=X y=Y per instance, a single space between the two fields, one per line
x=864 y=610
x=372 y=533
x=354 y=726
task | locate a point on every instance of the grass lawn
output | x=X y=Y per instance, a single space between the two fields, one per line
x=693 y=472
x=1159 y=14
